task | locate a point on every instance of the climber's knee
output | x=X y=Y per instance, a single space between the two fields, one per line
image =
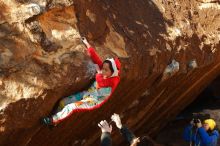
x=61 y=105
x=70 y=99
x=78 y=96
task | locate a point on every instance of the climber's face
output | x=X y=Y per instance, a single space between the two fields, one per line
x=106 y=71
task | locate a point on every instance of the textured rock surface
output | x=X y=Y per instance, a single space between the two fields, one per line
x=169 y=53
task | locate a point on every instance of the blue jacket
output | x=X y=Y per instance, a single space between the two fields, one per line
x=200 y=137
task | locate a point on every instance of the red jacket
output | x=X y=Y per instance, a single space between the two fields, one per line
x=108 y=82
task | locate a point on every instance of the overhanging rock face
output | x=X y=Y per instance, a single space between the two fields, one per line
x=169 y=52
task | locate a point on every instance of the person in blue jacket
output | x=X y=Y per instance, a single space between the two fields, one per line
x=201 y=135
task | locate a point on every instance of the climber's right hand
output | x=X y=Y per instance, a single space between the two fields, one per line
x=105 y=127
x=116 y=118
x=84 y=40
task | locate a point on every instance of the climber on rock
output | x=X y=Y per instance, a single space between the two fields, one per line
x=131 y=139
x=106 y=81
x=201 y=135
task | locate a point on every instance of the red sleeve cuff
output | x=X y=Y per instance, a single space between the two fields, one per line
x=91 y=49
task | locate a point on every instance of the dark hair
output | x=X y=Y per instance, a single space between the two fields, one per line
x=145 y=141
x=110 y=65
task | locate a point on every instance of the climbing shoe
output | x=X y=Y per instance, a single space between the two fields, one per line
x=47 y=121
